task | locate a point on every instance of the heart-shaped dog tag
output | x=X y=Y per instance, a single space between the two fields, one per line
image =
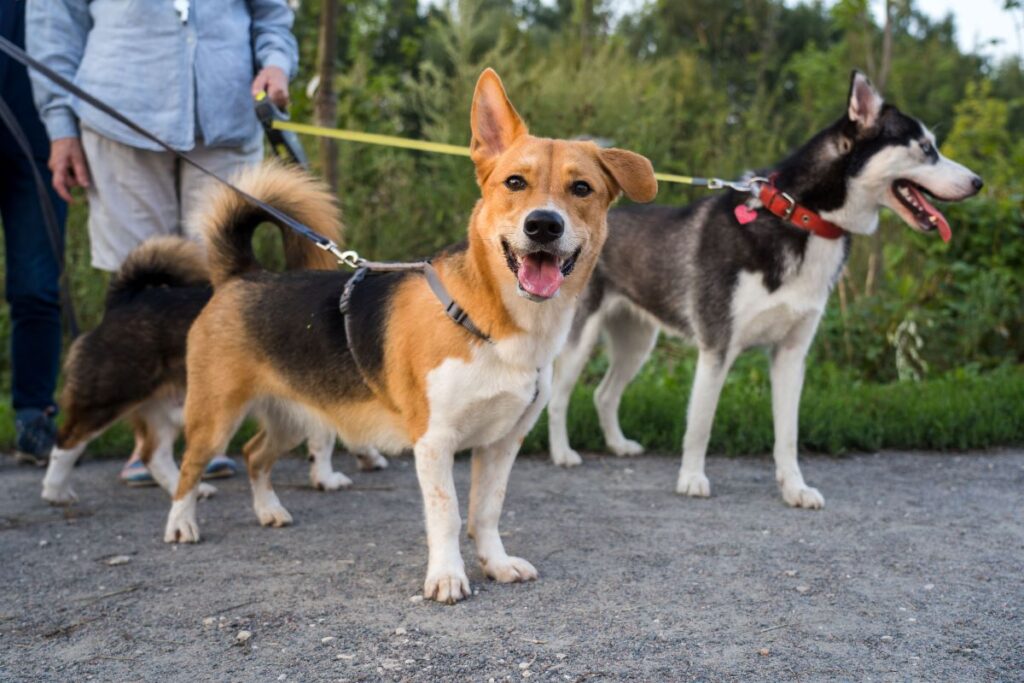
x=744 y=214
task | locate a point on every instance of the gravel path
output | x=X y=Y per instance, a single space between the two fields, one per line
x=914 y=571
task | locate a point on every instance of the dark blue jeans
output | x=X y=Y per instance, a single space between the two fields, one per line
x=31 y=287
x=32 y=269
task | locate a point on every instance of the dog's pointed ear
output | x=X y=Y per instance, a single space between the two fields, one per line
x=631 y=173
x=494 y=120
x=865 y=104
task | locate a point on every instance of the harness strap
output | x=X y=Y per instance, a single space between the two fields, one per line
x=788 y=209
x=50 y=221
x=451 y=307
x=343 y=307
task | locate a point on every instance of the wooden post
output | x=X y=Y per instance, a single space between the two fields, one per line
x=325 y=106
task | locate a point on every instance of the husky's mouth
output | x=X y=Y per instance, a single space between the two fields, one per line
x=920 y=214
x=540 y=273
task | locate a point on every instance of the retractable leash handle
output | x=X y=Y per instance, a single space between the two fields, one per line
x=284 y=143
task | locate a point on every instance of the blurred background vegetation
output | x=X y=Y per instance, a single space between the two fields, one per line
x=922 y=343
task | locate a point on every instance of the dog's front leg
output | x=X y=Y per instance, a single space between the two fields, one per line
x=446 y=573
x=787 y=373
x=56 y=484
x=491 y=468
x=707 y=387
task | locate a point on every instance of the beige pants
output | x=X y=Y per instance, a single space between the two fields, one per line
x=138 y=193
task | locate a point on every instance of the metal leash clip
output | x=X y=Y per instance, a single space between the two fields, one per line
x=348 y=258
x=738 y=185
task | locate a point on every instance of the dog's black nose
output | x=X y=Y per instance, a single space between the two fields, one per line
x=977 y=182
x=544 y=226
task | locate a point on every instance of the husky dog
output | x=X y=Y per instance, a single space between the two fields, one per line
x=132 y=366
x=730 y=273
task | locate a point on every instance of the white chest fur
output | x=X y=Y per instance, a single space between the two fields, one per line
x=760 y=317
x=479 y=401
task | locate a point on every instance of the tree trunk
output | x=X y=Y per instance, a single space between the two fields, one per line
x=876 y=261
x=325 y=105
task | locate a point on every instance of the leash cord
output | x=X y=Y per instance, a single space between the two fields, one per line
x=455 y=150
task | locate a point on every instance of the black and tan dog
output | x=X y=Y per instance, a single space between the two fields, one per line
x=132 y=365
x=408 y=377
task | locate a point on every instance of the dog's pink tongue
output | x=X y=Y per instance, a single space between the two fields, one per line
x=940 y=221
x=539 y=275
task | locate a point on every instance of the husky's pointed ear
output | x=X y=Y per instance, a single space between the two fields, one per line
x=631 y=172
x=494 y=120
x=865 y=104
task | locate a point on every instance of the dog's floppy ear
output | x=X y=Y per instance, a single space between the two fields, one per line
x=865 y=104
x=631 y=172
x=494 y=120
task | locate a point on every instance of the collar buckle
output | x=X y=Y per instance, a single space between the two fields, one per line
x=788 y=213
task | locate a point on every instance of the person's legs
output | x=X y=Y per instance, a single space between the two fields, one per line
x=32 y=286
x=134 y=196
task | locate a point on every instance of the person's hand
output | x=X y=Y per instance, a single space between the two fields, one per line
x=273 y=81
x=68 y=166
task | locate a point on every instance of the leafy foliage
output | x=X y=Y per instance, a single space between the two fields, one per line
x=707 y=88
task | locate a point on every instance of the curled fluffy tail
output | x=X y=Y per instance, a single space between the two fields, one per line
x=158 y=262
x=228 y=222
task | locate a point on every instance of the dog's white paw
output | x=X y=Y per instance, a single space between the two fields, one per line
x=693 y=484
x=371 y=460
x=447 y=585
x=59 y=495
x=802 y=496
x=331 y=482
x=625 y=448
x=206 y=490
x=566 y=458
x=182 y=526
x=509 y=569
x=273 y=514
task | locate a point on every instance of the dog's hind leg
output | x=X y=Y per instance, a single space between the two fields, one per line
x=158 y=424
x=568 y=367
x=209 y=425
x=630 y=340
x=322 y=476
x=787 y=373
x=707 y=387
x=369 y=459
x=275 y=437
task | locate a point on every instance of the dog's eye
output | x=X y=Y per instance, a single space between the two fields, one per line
x=516 y=183
x=927 y=148
x=581 y=188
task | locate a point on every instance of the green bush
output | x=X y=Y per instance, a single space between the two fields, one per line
x=703 y=89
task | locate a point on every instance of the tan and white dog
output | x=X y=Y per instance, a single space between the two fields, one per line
x=408 y=377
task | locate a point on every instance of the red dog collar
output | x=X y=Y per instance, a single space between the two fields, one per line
x=785 y=207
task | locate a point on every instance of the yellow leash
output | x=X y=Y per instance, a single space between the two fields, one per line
x=454 y=150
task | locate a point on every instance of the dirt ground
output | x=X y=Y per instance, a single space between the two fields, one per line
x=913 y=571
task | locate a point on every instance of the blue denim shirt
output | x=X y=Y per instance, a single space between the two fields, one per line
x=179 y=81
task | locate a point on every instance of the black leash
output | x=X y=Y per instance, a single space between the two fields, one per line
x=348 y=258
x=50 y=221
